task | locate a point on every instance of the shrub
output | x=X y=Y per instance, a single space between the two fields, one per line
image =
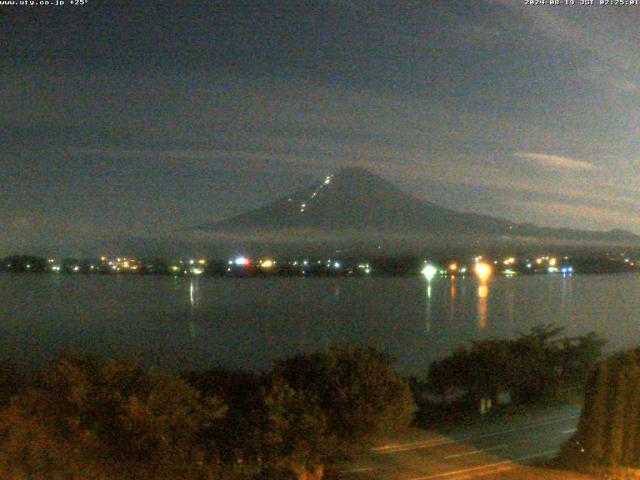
x=89 y=418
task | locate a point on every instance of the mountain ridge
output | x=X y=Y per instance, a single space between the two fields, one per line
x=355 y=199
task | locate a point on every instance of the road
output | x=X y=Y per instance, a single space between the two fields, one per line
x=498 y=448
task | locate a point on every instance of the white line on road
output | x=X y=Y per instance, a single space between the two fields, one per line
x=572 y=430
x=359 y=469
x=486 y=466
x=475 y=452
x=403 y=447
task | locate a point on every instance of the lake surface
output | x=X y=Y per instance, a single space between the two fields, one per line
x=180 y=324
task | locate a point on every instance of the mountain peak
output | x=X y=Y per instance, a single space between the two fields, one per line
x=355 y=199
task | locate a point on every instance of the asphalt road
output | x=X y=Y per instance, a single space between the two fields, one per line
x=492 y=446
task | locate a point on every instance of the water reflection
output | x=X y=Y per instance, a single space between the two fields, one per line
x=511 y=310
x=183 y=323
x=483 y=271
x=194 y=294
x=483 y=308
x=453 y=292
x=565 y=300
x=427 y=323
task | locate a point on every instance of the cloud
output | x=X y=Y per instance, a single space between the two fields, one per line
x=556 y=161
x=582 y=216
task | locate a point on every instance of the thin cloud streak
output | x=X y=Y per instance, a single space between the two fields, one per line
x=556 y=161
x=586 y=213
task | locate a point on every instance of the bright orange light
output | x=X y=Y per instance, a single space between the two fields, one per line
x=553 y=262
x=538 y=261
x=267 y=263
x=202 y=261
x=453 y=267
x=483 y=271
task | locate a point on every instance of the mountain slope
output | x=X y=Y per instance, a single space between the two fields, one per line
x=357 y=200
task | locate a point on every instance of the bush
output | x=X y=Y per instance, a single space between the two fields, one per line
x=534 y=367
x=89 y=418
x=306 y=412
x=356 y=388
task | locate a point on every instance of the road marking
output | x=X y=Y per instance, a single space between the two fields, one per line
x=506 y=468
x=569 y=431
x=404 y=447
x=359 y=469
x=475 y=452
x=459 y=472
x=486 y=466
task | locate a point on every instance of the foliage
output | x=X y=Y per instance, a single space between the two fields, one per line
x=295 y=437
x=533 y=367
x=89 y=418
x=356 y=388
x=237 y=434
x=270 y=429
x=291 y=420
x=608 y=433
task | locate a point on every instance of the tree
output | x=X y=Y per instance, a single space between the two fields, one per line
x=533 y=367
x=616 y=434
x=91 y=417
x=270 y=429
x=295 y=437
x=608 y=431
x=356 y=388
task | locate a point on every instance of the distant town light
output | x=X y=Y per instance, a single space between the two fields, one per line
x=453 y=267
x=268 y=263
x=483 y=270
x=241 y=261
x=429 y=271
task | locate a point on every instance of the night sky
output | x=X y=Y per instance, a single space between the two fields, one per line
x=123 y=120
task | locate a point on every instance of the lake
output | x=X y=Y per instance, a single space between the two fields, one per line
x=183 y=323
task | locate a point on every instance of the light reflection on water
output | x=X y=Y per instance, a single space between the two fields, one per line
x=427 y=321
x=193 y=323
